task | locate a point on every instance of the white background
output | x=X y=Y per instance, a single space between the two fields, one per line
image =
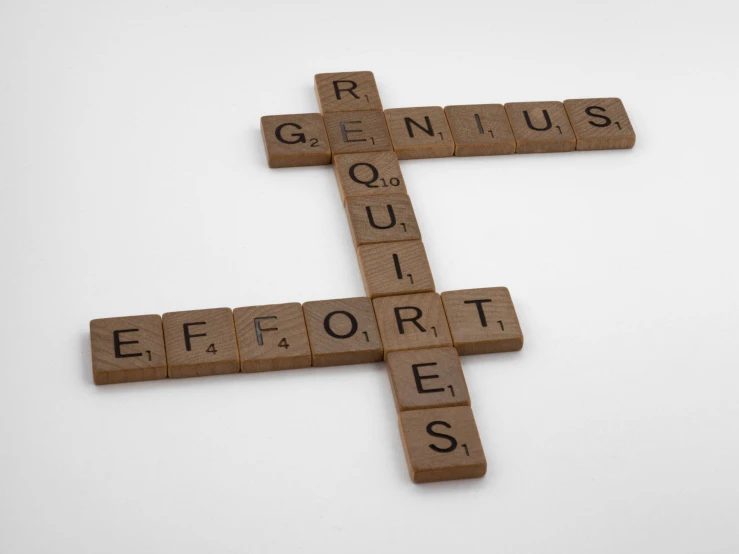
x=134 y=181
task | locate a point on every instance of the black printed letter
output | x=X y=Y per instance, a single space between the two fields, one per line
x=429 y=130
x=327 y=325
x=350 y=90
x=390 y=212
x=117 y=342
x=188 y=336
x=451 y=439
x=401 y=320
x=418 y=377
x=546 y=118
x=300 y=137
x=479 y=304
x=589 y=111
x=260 y=330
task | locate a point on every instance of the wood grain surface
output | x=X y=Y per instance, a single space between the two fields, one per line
x=200 y=342
x=482 y=320
x=343 y=331
x=480 y=130
x=368 y=174
x=600 y=123
x=420 y=132
x=540 y=127
x=427 y=378
x=412 y=321
x=295 y=140
x=350 y=132
x=395 y=268
x=272 y=337
x=350 y=91
x=386 y=218
x=127 y=349
x=442 y=444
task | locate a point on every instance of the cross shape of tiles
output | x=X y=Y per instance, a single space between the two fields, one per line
x=419 y=333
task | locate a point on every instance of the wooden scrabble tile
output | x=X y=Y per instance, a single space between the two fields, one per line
x=442 y=444
x=395 y=268
x=540 y=127
x=480 y=130
x=482 y=320
x=420 y=132
x=368 y=174
x=412 y=321
x=428 y=378
x=272 y=337
x=342 y=332
x=201 y=342
x=600 y=123
x=127 y=349
x=347 y=92
x=350 y=132
x=382 y=219
x=295 y=140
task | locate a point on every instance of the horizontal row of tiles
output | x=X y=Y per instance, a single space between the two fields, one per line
x=431 y=132
x=291 y=336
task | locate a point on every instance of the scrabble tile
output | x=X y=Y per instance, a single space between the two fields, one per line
x=382 y=219
x=342 y=332
x=201 y=342
x=428 y=378
x=412 y=321
x=442 y=444
x=350 y=132
x=480 y=130
x=368 y=174
x=540 y=127
x=395 y=268
x=600 y=123
x=272 y=337
x=347 y=92
x=482 y=320
x=295 y=140
x=127 y=349
x=420 y=132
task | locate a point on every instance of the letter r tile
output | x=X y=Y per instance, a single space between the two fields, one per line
x=540 y=127
x=342 y=332
x=272 y=337
x=482 y=320
x=411 y=322
x=201 y=342
x=347 y=92
x=295 y=140
x=127 y=349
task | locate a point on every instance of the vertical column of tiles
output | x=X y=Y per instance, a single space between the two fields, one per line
x=368 y=174
x=342 y=332
x=350 y=91
x=480 y=130
x=420 y=132
x=295 y=140
x=482 y=320
x=272 y=337
x=127 y=349
x=442 y=444
x=395 y=268
x=600 y=123
x=201 y=342
x=540 y=127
